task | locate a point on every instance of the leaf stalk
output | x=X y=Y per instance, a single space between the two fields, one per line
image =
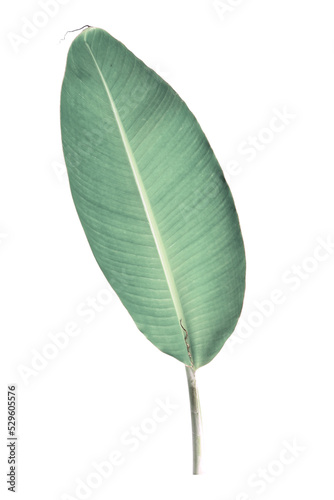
x=196 y=420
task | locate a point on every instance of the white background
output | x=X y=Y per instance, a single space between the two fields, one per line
x=234 y=70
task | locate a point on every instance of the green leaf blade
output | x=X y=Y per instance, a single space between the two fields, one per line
x=152 y=199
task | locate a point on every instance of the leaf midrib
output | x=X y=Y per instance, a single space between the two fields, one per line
x=148 y=211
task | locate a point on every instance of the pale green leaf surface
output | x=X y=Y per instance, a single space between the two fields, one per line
x=152 y=199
